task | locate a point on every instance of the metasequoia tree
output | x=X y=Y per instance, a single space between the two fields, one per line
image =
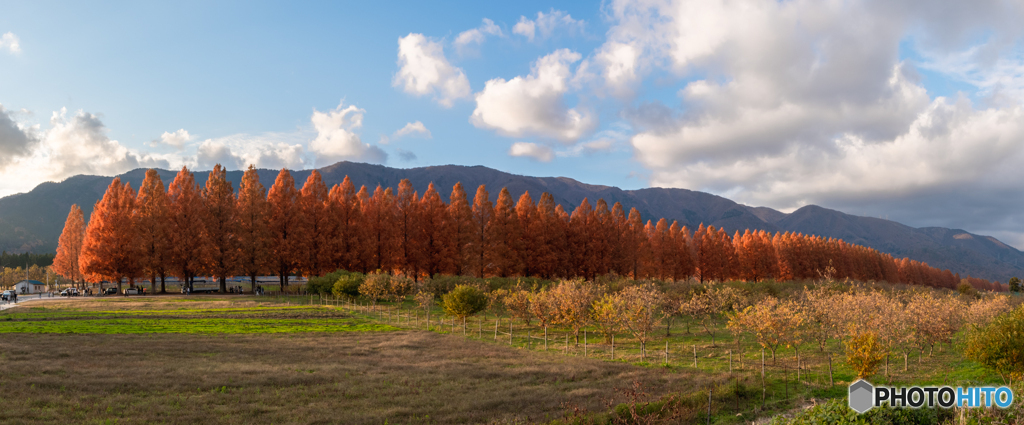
x=408 y=241
x=69 y=246
x=437 y=241
x=349 y=227
x=190 y=244
x=550 y=237
x=253 y=227
x=110 y=250
x=504 y=236
x=460 y=229
x=581 y=238
x=221 y=226
x=480 y=246
x=152 y=219
x=285 y=227
x=529 y=235
x=318 y=226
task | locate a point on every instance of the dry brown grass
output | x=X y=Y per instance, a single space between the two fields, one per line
x=350 y=378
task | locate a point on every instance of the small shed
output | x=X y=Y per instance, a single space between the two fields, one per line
x=29 y=287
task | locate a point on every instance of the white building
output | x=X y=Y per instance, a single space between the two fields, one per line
x=29 y=287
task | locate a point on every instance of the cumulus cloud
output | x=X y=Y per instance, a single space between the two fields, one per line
x=532 y=150
x=786 y=104
x=268 y=150
x=413 y=128
x=477 y=35
x=210 y=153
x=535 y=104
x=546 y=24
x=424 y=70
x=79 y=145
x=175 y=140
x=10 y=42
x=337 y=140
x=16 y=140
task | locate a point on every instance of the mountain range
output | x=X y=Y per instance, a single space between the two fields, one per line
x=32 y=221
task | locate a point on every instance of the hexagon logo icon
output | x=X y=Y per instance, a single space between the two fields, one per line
x=862 y=396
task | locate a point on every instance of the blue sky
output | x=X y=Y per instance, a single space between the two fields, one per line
x=894 y=109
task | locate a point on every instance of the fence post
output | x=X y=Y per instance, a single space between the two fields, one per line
x=694 y=356
x=567 y=344
x=613 y=346
x=830 y=383
x=710 y=391
x=666 y=352
x=496 y=329
x=545 y=337
x=584 y=343
x=730 y=361
x=480 y=332
x=509 y=331
x=463 y=325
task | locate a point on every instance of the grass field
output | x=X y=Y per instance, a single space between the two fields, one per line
x=239 y=359
x=353 y=371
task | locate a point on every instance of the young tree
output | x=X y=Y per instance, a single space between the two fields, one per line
x=773 y=322
x=318 y=226
x=152 y=219
x=110 y=248
x=190 y=246
x=641 y=311
x=709 y=304
x=253 y=227
x=999 y=345
x=285 y=228
x=607 y=315
x=221 y=225
x=1014 y=284
x=518 y=303
x=572 y=300
x=69 y=246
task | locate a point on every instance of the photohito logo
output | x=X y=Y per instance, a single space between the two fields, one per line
x=864 y=396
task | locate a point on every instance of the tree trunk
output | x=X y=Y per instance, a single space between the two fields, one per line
x=163 y=287
x=223 y=285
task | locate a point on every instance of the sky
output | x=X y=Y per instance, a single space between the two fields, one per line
x=909 y=110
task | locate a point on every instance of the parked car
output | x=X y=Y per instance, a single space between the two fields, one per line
x=131 y=291
x=9 y=295
x=110 y=291
x=69 y=292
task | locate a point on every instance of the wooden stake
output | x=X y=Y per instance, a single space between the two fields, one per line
x=613 y=346
x=695 y=356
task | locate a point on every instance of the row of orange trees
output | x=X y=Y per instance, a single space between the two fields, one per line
x=189 y=230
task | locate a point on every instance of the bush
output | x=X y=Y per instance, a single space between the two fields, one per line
x=324 y=284
x=1000 y=344
x=837 y=412
x=464 y=301
x=347 y=285
x=864 y=353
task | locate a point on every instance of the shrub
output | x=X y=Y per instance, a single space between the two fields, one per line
x=1000 y=344
x=837 y=412
x=347 y=285
x=464 y=301
x=864 y=353
x=376 y=286
x=325 y=284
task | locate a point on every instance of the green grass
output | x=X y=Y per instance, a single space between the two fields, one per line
x=187 y=321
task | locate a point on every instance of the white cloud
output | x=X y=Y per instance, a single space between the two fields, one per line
x=477 y=35
x=535 y=104
x=268 y=150
x=79 y=145
x=336 y=139
x=532 y=150
x=10 y=42
x=413 y=128
x=176 y=140
x=423 y=70
x=210 y=153
x=546 y=24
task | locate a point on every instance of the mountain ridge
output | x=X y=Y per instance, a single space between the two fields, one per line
x=33 y=221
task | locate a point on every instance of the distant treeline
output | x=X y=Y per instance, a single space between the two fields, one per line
x=26 y=259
